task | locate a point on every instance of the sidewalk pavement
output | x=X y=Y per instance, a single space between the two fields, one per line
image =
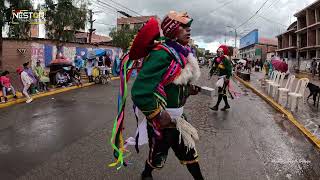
x=22 y=99
x=307 y=114
x=315 y=80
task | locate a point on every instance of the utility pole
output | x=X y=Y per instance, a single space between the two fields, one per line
x=235 y=35
x=91 y=30
x=235 y=38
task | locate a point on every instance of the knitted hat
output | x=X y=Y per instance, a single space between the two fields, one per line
x=19 y=70
x=25 y=64
x=172 y=21
x=145 y=38
x=225 y=49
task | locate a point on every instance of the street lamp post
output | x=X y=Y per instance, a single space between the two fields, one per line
x=235 y=35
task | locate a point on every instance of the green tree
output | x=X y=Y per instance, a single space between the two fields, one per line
x=123 y=36
x=65 y=18
x=1 y=26
x=20 y=29
x=198 y=52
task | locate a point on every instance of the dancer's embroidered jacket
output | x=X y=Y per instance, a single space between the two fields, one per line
x=162 y=82
x=224 y=66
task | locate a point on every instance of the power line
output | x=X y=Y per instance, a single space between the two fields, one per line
x=253 y=14
x=271 y=20
x=118 y=10
x=125 y=7
x=255 y=21
x=218 y=8
x=101 y=2
x=105 y=10
x=105 y=24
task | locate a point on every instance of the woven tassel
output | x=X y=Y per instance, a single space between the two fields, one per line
x=188 y=133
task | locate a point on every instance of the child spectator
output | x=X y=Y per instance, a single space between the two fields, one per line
x=6 y=85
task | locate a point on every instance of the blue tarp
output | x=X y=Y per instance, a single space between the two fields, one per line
x=47 y=54
x=100 y=52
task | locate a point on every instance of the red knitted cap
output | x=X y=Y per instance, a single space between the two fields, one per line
x=225 y=49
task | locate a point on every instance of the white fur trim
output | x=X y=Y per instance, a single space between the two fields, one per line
x=190 y=73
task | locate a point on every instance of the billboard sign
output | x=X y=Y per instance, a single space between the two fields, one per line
x=249 y=39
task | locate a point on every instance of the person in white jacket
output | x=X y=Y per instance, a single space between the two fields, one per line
x=27 y=82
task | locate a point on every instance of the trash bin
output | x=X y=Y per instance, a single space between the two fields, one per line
x=245 y=76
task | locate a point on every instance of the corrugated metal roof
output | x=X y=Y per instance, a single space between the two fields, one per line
x=134 y=20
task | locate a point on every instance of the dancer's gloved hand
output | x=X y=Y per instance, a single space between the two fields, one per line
x=193 y=90
x=226 y=81
x=164 y=119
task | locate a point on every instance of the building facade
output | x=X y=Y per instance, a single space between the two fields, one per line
x=253 y=47
x=308 y=34
x=133 y=22
x=287 y=43
x=83 y=37
x=301 y=42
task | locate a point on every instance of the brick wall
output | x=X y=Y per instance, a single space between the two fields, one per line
x=265 y=49
x=12 y=58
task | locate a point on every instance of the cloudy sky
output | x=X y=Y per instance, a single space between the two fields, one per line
x=211 y=17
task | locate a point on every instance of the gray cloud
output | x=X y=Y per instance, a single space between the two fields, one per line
x=210 y=21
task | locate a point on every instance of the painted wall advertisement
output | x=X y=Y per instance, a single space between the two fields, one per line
x=45 y=53
x=249 y=39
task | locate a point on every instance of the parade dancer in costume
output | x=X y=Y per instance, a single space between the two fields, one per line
x=224 y=68
x=160 y=92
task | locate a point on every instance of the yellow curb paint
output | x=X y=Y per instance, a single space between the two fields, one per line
x=22 y=100
x=282 y=110
x=115 y=78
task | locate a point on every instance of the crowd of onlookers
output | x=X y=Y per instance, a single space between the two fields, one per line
x=248 y=65
x=37 y=79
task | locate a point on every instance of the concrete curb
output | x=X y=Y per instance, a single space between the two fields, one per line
x=37 y=96
x=282 y=110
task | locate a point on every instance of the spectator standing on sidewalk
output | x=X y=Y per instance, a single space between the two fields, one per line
x=314 y=67
x=41 y=76
x=266 y=67
x=261 y=64
x=6 y=85
x=319 y=70
x=89 y=67
x=27 y=82
x=30 y=73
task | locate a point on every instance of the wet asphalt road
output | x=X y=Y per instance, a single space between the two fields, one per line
x=66 y=136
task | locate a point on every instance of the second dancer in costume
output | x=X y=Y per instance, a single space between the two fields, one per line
x=223 y=66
